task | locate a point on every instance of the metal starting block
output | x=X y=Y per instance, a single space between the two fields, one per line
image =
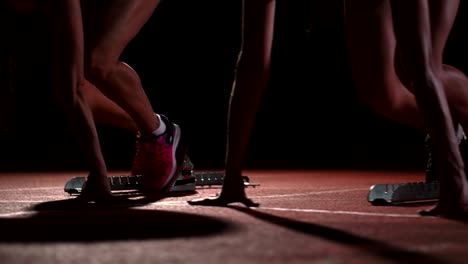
x=131 y=182
x=214 y=178
x=187 y=180
x=399 y=193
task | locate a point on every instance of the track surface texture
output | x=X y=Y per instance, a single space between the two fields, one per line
x=304 y=217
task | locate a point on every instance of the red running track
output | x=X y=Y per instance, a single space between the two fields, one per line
x=304 y=217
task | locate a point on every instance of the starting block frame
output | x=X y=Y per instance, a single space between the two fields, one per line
x=130 y=183
x=402 y=193
x=413 y=192
x=188 y=180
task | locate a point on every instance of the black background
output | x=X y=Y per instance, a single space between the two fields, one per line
x=310 y=117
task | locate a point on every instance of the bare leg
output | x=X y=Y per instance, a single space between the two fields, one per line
x=442 y=16
x=251 y=81
x=413 y=33
x=371 y=48
x=106 y=111
x=370 y=23
x=379 y=68
x=109 y=27
x=456 y=88
x=65 y=21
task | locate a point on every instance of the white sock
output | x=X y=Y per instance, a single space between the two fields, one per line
x=162 y=127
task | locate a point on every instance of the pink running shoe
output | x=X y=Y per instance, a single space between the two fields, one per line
x=155 y=159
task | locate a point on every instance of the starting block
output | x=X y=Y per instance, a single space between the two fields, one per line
x=188 y=180
x=400 y=193
x=413 y=192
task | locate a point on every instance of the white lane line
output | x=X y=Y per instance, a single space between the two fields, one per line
x=253 y=197
x=15 y=214
x=302 y=194
x=25 y=213
x=261 y=196
x=336 y=212
x=45 y=198
x=309 y=193
x=175 y=203
x=52 y=198
x=31 y=189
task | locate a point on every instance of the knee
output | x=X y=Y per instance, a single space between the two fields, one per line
x=97 y=67
x=68 y=98
x=90 y=94
x=402 y=72
x=421 y=74
x=385 y=102
x=425 y=85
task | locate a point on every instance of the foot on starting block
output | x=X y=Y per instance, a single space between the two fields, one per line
x=400 y=193
x=126 y=183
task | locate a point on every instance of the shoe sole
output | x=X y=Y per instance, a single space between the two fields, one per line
x=173 y=175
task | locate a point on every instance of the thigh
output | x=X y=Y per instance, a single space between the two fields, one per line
x=370 y=42
x=413 y=32
x=258 y=29
x=109 y=25
x=442 y=18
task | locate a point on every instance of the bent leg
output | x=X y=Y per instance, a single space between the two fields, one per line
x=67 y=41
x=371 y=48
x=106 y=111
x=109 y=27
x=442 y=17
x=456 y=89
x=413 y=33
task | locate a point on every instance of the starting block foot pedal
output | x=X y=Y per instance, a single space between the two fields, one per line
x=130 y=183
x=185 y=182
x=214 y=178
x=400 y=193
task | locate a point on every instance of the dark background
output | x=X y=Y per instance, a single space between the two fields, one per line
x=310 y=117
